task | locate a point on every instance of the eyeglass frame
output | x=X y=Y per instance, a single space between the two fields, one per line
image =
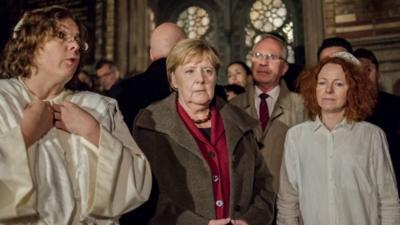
x=65 y=37
x=270 y=57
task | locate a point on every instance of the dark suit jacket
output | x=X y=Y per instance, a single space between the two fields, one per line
x=387 y=116
x=142 y=90
x=184 y=179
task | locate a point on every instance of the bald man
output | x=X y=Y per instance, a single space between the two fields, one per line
x=152 y=85
x=144 y=89
x=163 y=39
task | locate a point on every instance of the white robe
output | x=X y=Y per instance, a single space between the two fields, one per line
x=63 y=178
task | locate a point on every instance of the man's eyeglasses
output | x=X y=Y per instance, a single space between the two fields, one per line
x=270 y=57
x=83 y=46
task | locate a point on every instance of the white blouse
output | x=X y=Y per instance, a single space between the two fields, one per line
x=337 y=177
x=63 y=178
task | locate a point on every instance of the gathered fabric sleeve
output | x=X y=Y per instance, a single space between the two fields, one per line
x=389 y=205
x=17 y=192
x=288 y=197
x=120 y=178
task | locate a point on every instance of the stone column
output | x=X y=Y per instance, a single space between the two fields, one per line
x=313 y=28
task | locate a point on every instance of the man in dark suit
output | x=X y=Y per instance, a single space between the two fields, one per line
x=144 y=89
x=152 y=85
x=387 y=110
x=109 y=78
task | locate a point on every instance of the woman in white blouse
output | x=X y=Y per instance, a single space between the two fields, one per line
x=65 y=157
x=336 y=168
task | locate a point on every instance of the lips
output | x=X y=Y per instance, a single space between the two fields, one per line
x=263 y=71
x=72 y=61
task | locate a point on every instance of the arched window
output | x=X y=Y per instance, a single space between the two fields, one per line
x=269 y=16
x=195 y=21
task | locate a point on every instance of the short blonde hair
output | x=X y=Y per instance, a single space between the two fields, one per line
x=190 y=49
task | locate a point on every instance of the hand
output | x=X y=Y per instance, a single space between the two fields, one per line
x=239 y=222
x=220 y=221
x=37 y=119
x=73 y=119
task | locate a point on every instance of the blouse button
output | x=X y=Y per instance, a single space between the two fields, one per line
x=219 y=203
x=215 y=178
x=211 y=154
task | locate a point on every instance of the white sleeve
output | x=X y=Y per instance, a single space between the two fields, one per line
x=122 y=179
x=288 y=200
x=17 y=190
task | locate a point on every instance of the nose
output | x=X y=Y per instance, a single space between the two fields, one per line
x=264 y=61
x=74 y=46
x=329 y=88
x=200 y=76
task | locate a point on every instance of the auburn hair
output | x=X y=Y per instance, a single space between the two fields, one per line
x=361 y=95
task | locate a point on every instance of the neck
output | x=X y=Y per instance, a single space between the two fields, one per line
x=198 y=113
x=41 y=88
x=266 y=87
x=330 y=120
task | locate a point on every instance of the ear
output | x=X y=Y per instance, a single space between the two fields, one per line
x=151 y=55
x=173 y=81
x=284 y=67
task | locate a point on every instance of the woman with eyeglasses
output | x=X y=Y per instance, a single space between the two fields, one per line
x=65 y=157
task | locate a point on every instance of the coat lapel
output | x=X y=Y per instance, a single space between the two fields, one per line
x=234 y=124
x=170 y=124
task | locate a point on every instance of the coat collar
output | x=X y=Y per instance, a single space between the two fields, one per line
x=236 y=123
x=281 y=104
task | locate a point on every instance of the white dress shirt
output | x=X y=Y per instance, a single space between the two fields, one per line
x=338 y=177
x=273 y=95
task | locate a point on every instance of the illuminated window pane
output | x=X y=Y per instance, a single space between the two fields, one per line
x=269 y=16
x=194 y=21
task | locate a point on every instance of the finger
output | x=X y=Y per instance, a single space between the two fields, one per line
x=57 y=115
x=56 y=107
x=28 y=105
x=60 y=125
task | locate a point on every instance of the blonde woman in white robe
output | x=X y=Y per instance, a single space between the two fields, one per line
x=65 y=157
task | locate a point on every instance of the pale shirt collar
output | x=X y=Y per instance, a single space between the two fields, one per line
x=343 y=124
x=273 y=95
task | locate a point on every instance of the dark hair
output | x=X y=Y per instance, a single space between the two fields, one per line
x=244 y=66
x=361 y=95
x=237 y=89
x=366 y=54
x=34 y=29
x=103 y=62
x=335 y=42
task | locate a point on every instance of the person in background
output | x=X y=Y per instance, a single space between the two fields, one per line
x=108 y=76
x=332 y=45
x=386 y=113
x=143 y=89
x=336 y=168
x=202 y=150
x=269 y=101
x=66 y=157
x=152 y=85
x=232 y=90
x=81 y=82
x=239 y=74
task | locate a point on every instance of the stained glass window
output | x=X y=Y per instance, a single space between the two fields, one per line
x=195 y=21
x=269 y=16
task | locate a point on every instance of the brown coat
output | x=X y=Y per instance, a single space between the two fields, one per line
x=288 y=111
x=183 y=176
